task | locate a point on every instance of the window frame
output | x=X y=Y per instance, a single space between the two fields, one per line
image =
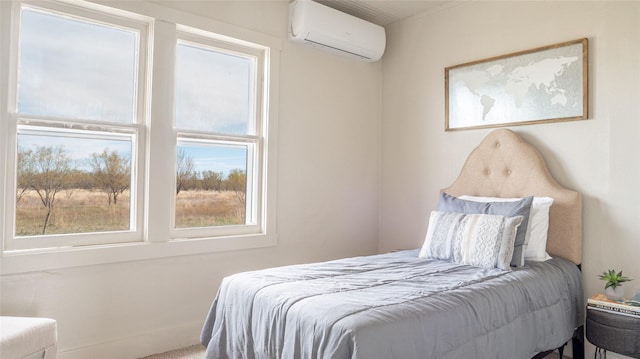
x=253 y=192
x=93 y=15
x=133 y=234
x=255 y=136
x=156 y=175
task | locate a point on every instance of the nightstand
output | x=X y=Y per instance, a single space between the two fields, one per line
x=614 y=332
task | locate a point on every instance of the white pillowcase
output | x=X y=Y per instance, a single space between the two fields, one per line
x=480 y=240
x=536 y=239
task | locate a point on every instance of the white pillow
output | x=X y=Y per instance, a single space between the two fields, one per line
x=480 y=240
x=536 y=239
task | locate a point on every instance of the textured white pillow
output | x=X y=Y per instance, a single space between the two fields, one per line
x=480 y=240
x=448 y=203
x=537 y=229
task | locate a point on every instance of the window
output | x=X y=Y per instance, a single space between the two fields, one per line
x=218 y=120
x=92 y=114
x=77 y=113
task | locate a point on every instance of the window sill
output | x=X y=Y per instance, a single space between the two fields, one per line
x=14 y=262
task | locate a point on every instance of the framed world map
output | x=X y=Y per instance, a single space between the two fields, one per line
x=546 y=84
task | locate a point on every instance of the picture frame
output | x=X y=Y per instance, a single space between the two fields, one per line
x=541 y=85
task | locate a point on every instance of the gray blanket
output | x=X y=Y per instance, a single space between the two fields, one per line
x=395 y=305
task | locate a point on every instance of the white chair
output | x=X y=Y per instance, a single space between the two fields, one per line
x=28 y=338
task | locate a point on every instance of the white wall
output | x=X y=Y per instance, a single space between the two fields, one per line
x=598 y=157
x=328 y=190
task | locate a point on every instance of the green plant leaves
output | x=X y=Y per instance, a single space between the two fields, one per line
x=613 y=279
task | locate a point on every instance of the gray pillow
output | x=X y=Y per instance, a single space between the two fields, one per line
x=481 y=240
x=448 y=203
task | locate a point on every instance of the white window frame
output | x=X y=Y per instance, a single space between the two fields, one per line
x=254 y=208
x=82 y=239
x=158 y=174
x=254 y=140
x=44 y=124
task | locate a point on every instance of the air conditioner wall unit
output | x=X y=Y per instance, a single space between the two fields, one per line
x=314 y=24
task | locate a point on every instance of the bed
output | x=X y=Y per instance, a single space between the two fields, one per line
x=445 y=300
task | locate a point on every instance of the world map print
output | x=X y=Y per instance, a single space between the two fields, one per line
x=540 y=85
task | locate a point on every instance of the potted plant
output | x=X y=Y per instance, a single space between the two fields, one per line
x=613 y=288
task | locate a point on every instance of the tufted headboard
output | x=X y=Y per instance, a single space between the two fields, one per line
x=505 y=165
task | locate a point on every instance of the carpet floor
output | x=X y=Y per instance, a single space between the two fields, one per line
x=192 y=352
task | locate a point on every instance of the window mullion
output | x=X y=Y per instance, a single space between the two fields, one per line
x=162 y=139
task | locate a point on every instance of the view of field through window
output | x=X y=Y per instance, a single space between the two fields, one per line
x=70 y=180
x=60 y=191
x=211 y=186
x=72 y=183
x=215 y=94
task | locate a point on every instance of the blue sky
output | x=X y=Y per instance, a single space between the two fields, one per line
x=75 y=69
x=217 y=159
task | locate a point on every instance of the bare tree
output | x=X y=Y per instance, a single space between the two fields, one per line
x=111 y=172
x=45 y=170
x=184 y=169
x=24 y=174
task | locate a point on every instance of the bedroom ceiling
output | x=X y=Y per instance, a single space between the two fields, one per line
x=385 y=12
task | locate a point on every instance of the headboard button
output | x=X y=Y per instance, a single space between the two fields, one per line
x=508 y=172
x=487 y=172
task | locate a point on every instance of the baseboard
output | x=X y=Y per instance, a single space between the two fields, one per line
x=138 y=345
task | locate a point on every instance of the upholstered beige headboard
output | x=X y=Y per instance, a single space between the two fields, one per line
x=505 y=165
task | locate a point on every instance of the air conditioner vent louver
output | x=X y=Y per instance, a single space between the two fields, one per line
x=341 y=50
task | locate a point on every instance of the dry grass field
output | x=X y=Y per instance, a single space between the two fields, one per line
x=196 y=208
x=84 y=211
x=75 y=211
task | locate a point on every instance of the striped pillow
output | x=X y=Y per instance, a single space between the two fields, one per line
x=480 y=240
